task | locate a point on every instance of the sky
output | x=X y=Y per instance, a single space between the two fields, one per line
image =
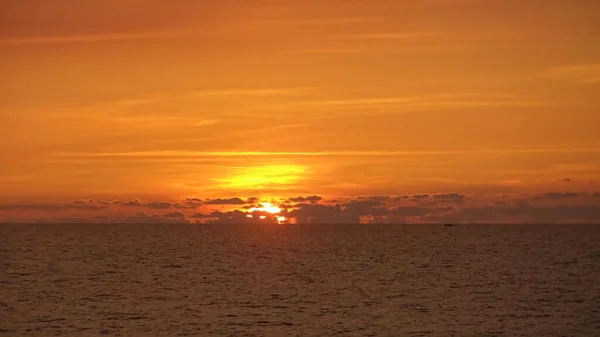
x=332 y=111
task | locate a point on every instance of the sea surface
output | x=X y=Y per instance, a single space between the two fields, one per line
x=299 y=280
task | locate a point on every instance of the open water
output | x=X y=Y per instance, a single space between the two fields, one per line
x=299 y=280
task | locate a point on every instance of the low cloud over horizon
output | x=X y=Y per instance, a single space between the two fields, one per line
x=543 y=208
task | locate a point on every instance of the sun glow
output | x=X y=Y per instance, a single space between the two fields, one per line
x=261 y=177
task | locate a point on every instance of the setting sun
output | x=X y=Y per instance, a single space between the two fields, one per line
x=267 y=207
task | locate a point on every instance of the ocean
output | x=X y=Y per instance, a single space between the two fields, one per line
x=299 y=280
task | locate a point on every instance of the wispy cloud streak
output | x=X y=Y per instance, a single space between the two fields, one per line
x=73 y=39
x=191 y=154
x=581 y=73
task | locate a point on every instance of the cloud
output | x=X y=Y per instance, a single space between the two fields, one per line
x=100 y=205
x=285 y=206
x=133 y=203
x=231 y=201
x=419 y=208
x=418 y=197
x=451 y=197
x=580 y=73
x=411 y=211
x=202 y=215
x=390 y=36
x=430 y=102
x=378 y=197
x=159 y=205
x=175 y=216
x=318 y=213
x=150 y=205
x=523 y=212
x=143 y=217
x=284 y=91
x=558 y=195
x=191 y=203
x=327 y=22
x=97 y=38
x=327 y=51
x=201 y=155
x=137 y=218
x=358 y=208
x=234 y=217
x=88 y=205
x=312 y=198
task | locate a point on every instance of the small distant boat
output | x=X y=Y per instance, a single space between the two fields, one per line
x=449 y=225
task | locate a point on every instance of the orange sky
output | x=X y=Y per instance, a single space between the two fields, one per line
x=157 y=101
